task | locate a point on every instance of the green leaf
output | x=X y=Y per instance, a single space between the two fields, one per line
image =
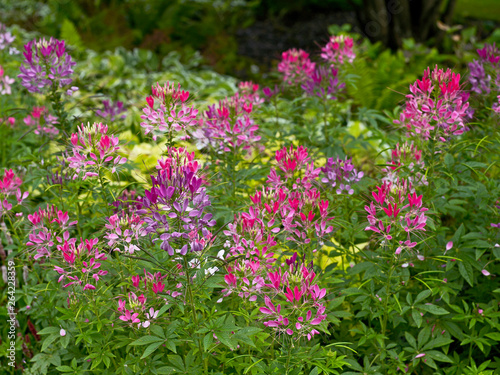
x=162 y=310
x=49 y=340
x=157 y=330
x=170 y=344
x=150 y=349
x=433 y=309
x=416 y=317
x=207 y=341
x=144 y=340
x=465 y=270
x=423 y=295
x=165 y=370
x=49 y=330
x=449 y=160
x=64 y=369
x=70 y=34
x=438 y=356
x=494 y=336
x=411 y=340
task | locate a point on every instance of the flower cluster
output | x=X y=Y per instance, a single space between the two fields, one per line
x=480 y=81
x=174 y=208
x=6 y=38
x=341 y=172
x=82 y=263
x=338 y=50
x=249 y=91
x=43 y=121
x=289 y=210
x=10 y=186
x=140 y=308
x=167 y=113
x=290 y=299
x=296 y=66
x=93 y=150
x=228 y=126
x=323 y=83
x=484 y=74
x=49 y=225
x=406 y=159
x=122 y=229
x=9 y=121
x=436 y=107
x=46 y=64
x=395 y=214
x=5 y=83
x=111 y=110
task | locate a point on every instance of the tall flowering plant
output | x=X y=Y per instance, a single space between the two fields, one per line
x=289 y=212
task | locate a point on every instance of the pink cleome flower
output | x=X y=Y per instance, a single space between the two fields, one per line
x=436 y=108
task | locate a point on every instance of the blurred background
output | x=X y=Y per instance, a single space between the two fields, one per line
x=246 y=37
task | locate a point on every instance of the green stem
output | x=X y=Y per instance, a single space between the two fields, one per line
x=288 y=360
x=386 y=302
x=193 y=311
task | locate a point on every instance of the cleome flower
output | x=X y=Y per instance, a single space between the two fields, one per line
x=111 y=111
x=9 y=188
x=341 y=172
x=436 y=108
x=295 y=66
x=49 y=227
x=174 y=208
x=338 y=50
x=93 y=149
x=406 y=161
x=5 y=82
x=397 y=215
x=228 y=126
x=166 y=112
x=46 y=64
x=43 y=121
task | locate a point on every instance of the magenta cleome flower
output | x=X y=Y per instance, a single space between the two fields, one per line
x=228 y=126
x=47 y=64
x=10 y=188
x=436 y=108
x=43 y=121
x=338 y=50
x=166 y=112
x=93 y=149
x=296 y=66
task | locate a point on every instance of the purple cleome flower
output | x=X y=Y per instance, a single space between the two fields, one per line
x=173 y=209
x=47 y=63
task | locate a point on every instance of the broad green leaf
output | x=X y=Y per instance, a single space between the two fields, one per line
x=144 y=340
x=150 y=349
x=433 y=309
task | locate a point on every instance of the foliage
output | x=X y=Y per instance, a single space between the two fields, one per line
x=179 y=222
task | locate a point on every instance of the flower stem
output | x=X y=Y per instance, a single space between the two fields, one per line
x=193 y=311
